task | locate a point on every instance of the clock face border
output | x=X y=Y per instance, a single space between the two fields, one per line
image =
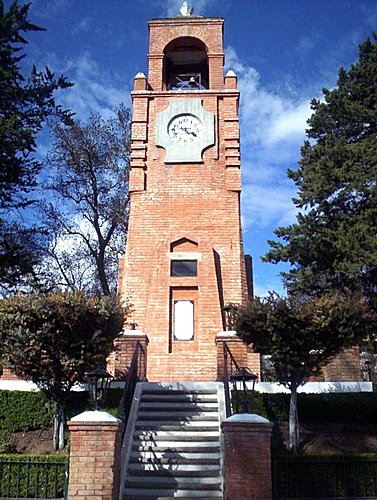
x=176 y=152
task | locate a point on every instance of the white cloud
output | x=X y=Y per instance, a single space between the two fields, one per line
x=266 y=205
x=95 y=90
x=272 y=129
x=82 y=26
x=269 y=118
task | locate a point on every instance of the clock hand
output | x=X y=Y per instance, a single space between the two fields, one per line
x=191 y=132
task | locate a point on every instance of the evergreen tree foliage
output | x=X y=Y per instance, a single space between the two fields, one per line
x=25 y=104
x=333 y=245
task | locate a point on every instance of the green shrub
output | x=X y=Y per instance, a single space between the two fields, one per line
x=358 y=407
x=330 y=476
x=32 y=476
x=7 y=442
x=22 y=411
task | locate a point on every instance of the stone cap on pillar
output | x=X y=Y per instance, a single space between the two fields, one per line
x=94 y=416
x=136 y=334
x=227 y=335
x=241 y=422
x=248 y=418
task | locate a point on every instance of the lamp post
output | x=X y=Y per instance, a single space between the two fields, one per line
x=368 y=369
x=230 y=314
x=99 y=381
x=239 y=379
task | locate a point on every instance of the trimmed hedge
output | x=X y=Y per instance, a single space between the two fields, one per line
x=33 y=476
x=22 y=411
x=358 y=407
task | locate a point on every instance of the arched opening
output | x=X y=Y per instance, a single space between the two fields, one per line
x=186 y=64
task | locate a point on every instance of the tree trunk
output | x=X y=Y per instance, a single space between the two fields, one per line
x=293 y=421
x=59 y=420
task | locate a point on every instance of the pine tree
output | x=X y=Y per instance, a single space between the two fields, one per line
x=25 y=104
x=333 y=245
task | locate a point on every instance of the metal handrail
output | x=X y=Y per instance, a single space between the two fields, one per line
x=233 y=368
x=133 y=377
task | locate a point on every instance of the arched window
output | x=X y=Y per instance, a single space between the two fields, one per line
x=186 y=64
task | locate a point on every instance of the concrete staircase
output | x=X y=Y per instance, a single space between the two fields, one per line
x=172 y=446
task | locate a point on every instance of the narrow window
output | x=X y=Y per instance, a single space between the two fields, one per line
x=183 y=320
x=181 y=268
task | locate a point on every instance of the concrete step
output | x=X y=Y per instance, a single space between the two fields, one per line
x=174 y=443
x=177 y=470
x=177 y=446
x=171 y=457
x=179 y=416
x=179 y=397
x=161 y=390
x=167 y=494
x=188 y=483
x=180 y=406
x=174 y=425
x=182 y=435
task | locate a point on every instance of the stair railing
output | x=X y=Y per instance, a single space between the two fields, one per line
x=230 y=367
x=133 y=377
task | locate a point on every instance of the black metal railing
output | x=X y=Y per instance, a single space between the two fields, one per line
x=324 y=477
x=33 y=479
x=230 y=368
x=136 y=373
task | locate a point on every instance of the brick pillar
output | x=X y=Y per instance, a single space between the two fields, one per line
x=7 y=374
x=247 y=457
x=94 y=459
x=237 y=348
x=344 y=367
x=120 y=359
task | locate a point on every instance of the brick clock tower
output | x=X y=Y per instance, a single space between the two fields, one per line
x=184 y=257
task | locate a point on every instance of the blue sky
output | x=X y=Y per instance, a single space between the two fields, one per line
x=283 y=51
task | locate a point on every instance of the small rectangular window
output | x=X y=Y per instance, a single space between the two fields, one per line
x=181 y=268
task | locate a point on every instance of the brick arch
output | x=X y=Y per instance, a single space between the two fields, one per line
x=207 y=33
x=184 y=244
x=185 y=41
x=185 y=57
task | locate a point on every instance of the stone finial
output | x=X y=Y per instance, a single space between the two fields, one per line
x=230 y=80
x=140 y=81
x=186 y=9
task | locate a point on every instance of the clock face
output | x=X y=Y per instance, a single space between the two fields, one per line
x=185 y=129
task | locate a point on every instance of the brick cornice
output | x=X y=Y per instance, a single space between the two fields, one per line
x=183 y=93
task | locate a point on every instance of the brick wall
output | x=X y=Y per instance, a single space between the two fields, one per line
x=94 y=461
x=344 y=367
